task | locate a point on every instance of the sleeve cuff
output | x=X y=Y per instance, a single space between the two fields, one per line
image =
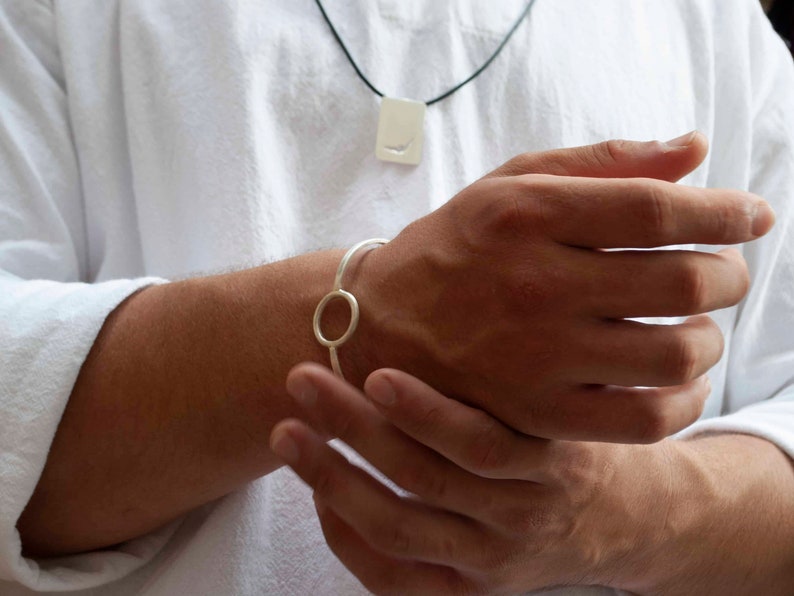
x=772 y=420
x=52 y=329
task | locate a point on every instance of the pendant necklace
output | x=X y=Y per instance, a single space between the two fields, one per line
x=401 y=122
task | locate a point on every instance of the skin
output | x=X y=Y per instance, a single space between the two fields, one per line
x=493 y=511
x=191 y=374
x=522 y=256
x=174 y=404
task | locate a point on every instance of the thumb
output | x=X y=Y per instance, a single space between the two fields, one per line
x=669 y=161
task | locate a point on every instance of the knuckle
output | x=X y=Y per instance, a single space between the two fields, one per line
x=487 y=451
x=610 y=152
x=742 y=276
x=511 y=214
x=574 y=463
x=539 y=204
x=657 y=422
x=542 y=412
x=734 y=216
x=423 y=482
x=521 y=206
x=718 y=340
x=477 y=202
x=723 y=221
x=427 y=421
x=681 y=359
x=692 y=288
x=657 y=213
x=523 y=163
x=656 y=147
x=695 y=410
x=713 y=342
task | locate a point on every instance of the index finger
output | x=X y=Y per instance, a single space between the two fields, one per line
x=469 y=437
x=641 y=212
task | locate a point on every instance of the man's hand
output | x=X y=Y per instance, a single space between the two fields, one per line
x=212 y=389
x=497 y=512
x=504 y=298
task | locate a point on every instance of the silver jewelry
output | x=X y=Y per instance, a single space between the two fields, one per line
x=336 y=293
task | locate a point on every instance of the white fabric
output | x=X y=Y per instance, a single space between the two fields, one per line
x=143 y=140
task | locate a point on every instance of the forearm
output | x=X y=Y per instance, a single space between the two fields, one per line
x=730 y=526
x=175 y=402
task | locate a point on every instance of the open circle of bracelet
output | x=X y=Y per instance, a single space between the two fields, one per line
x=338 y=293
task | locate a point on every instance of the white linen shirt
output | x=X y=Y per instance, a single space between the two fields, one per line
x=145 y=140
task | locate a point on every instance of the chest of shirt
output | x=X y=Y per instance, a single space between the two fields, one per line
x=237 y=132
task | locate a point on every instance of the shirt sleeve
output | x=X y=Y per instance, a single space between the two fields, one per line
x=759 y=393
x=49 y=313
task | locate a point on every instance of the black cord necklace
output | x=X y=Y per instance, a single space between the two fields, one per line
x=401 y=122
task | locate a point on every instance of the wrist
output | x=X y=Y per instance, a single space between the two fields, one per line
x=358 y=355
x=392 y=291
x=640 y=520
x=671 y=496
x=727 y=523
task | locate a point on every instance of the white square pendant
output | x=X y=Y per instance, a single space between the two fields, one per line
x=400 y=131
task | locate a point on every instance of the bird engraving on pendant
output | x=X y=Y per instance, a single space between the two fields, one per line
x=399 y=149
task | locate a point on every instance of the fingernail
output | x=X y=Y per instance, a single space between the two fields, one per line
x=683 y=140
x=763 y=218
x=304 y=392
x=284 y=446
x=382 y=391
